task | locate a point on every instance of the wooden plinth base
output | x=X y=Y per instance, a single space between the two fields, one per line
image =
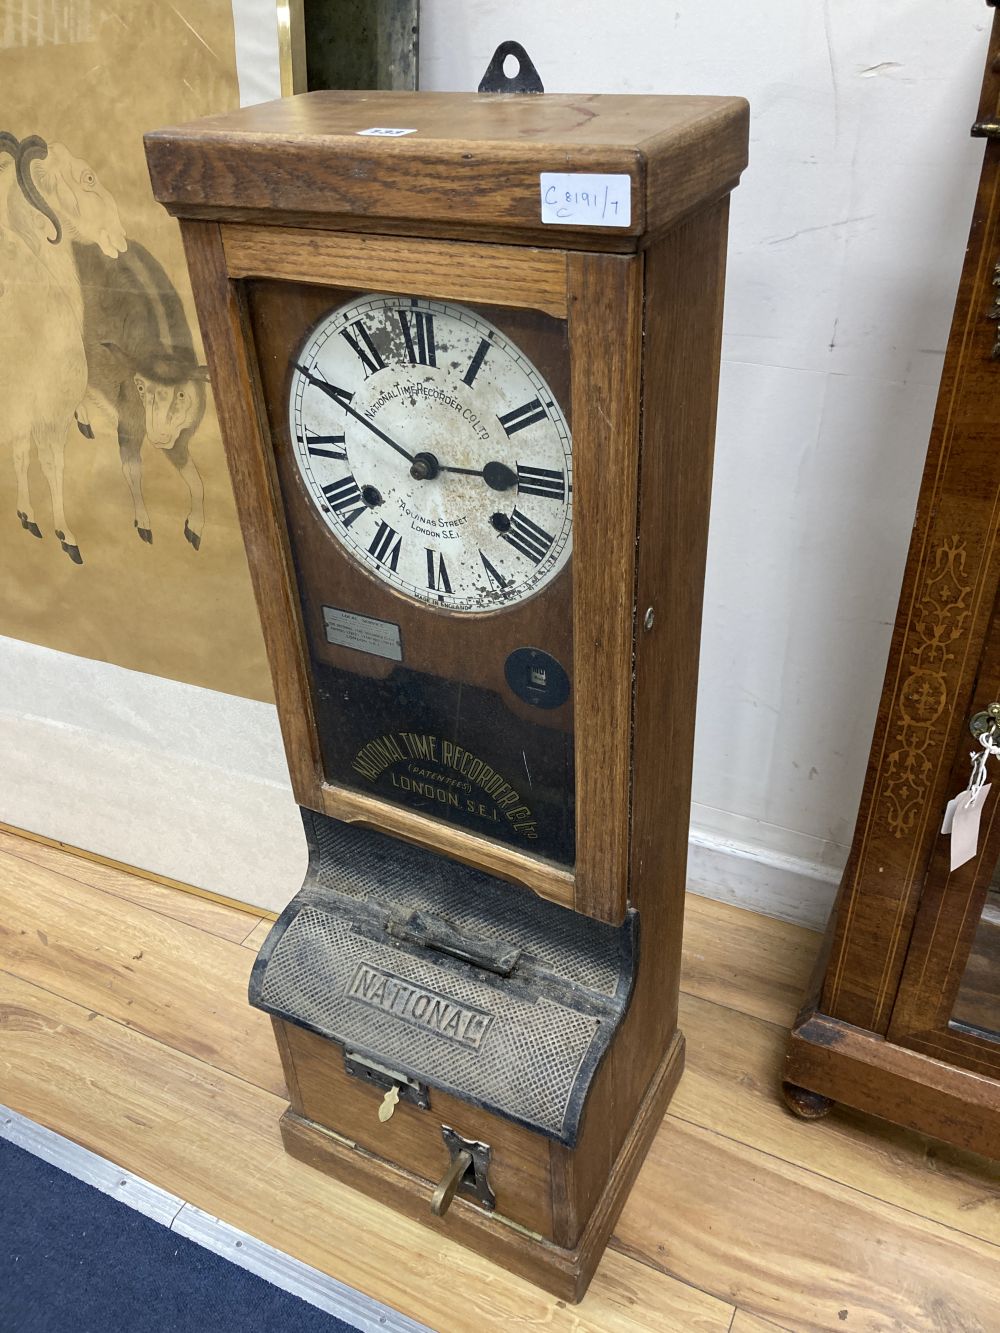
x=565 y=1273
x=860 y=1069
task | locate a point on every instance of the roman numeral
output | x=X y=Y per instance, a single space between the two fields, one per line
x=313 y=444
x=496 y=579
x=342 y=397
x=343 y=495
x=527 y=537
x=382 y=547
x=476 y=362
x=437 y=577
x=361 y=342
x=422 y=352
x=525 y=415
x=542 y=481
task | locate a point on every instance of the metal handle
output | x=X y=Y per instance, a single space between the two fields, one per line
x=434 y=932
x=986 y=720
x=472 y=1177
x=450 y=1181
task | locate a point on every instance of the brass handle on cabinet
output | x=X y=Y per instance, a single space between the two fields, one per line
x=985 y=720
x=468 y=1171
x=450 y=1181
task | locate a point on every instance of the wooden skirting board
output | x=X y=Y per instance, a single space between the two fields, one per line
x=139 y=872
x=788 y=888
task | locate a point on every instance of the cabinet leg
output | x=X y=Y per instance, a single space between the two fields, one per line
x=807 y=1105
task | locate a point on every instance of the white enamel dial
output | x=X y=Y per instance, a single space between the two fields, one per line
x=435 y=452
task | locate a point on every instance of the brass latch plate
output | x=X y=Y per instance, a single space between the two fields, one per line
x=468 y=1173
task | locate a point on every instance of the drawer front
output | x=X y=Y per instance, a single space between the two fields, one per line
x=321 y=1090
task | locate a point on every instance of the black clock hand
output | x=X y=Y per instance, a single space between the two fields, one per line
x=424 y=466
x=496 y=475
x=339 y=396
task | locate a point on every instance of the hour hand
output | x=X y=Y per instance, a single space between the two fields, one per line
x=498 y=476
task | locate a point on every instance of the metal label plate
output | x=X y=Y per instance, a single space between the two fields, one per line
x=347 y=629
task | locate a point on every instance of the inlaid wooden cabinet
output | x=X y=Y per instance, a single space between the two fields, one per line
x=904 y=1020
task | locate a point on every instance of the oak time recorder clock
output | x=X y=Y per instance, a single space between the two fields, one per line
x=464 y=351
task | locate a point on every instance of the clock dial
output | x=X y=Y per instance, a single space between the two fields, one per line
x=435 y=452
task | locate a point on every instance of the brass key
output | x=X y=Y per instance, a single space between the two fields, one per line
x=450 y=1181
x=388 y=1104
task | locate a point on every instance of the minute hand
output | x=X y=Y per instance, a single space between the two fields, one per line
x=342 y=397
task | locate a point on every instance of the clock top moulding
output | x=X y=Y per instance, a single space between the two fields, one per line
x=301 y=162
x=292 y=190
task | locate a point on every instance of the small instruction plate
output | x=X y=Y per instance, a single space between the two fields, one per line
x=385 y=132
x=347 y=629
x=576 y=199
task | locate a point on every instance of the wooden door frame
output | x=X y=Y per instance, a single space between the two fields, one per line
x=949 y=588
x=847 y=1042
x=595 y=293
x=951 y=906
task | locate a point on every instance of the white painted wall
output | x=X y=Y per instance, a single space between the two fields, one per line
x=255 y=33
x=846 y=245
x=847 y=239
x=183 y=781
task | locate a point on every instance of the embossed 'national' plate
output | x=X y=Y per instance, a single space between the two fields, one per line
x=438 y=1024
x=523 y=1041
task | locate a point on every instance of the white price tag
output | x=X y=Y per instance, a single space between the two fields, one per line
x=576 y=199
x=949 y=812
x=383 y=132
x=965 y=825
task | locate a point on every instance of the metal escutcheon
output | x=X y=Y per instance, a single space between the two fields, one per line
x=468 y=1172
x=987 y=718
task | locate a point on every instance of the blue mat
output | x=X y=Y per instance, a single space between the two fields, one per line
x=73 y=1260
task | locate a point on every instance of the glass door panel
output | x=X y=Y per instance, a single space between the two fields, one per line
x=977 y=1008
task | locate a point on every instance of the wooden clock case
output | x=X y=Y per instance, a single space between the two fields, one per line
x=903 y=1017
x=293 y=192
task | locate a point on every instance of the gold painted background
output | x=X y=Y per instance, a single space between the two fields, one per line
x=93 y=76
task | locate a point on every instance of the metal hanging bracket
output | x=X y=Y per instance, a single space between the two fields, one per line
x=526 y=80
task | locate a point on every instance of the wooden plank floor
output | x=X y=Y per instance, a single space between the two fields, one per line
x=124 y=1025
